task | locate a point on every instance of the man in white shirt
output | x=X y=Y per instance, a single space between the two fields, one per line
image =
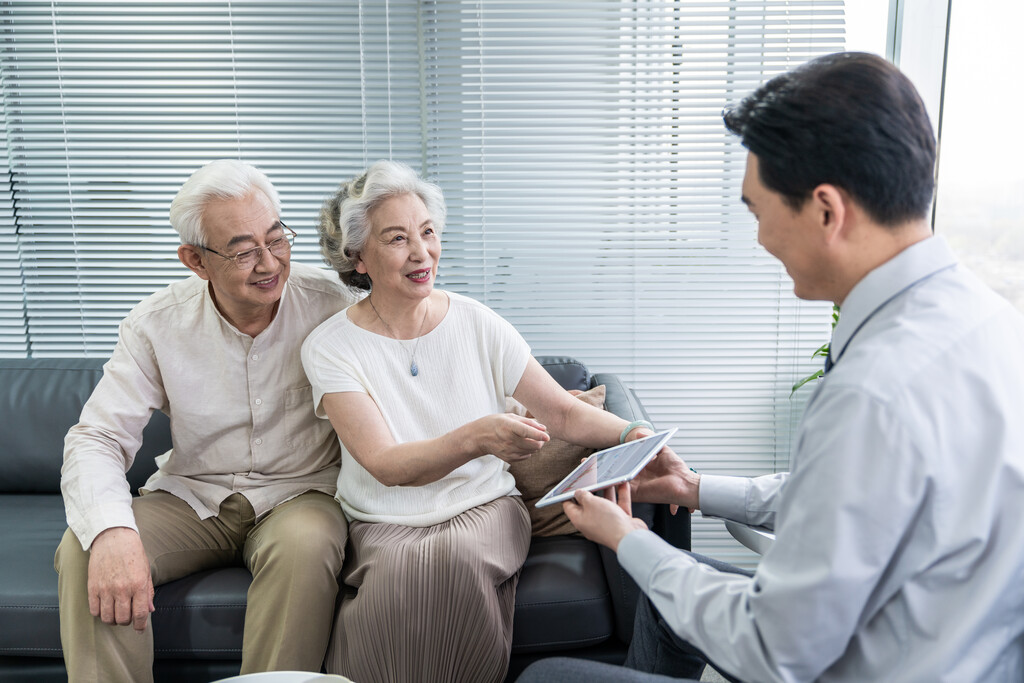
x=252 y=473
x=899 y=552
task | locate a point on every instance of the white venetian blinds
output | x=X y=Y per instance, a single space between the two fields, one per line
x=594 y=199
x=13 y=337
x=110 y=106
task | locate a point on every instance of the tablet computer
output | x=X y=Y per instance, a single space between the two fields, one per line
x=608 y=467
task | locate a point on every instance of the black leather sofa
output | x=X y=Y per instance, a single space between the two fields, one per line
x=573 y=598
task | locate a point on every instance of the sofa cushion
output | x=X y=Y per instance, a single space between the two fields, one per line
x=538 y=474
x=563 y=600
x=43 y=398
x=31 y=526
x=199 y=616
x=567 y=371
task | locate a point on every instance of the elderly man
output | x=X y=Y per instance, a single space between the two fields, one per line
x=899 y=549
x=251 y=475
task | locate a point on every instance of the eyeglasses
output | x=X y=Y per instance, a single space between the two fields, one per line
x=244 y=260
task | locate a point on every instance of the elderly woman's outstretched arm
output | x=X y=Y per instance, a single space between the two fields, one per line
x=567 y=418
x=361 y=427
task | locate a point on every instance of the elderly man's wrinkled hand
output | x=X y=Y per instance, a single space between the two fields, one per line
x=604 y=520
x=120 y=583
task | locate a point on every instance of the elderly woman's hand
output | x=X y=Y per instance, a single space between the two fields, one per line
x=508 y=436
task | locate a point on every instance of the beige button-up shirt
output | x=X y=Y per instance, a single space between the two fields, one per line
x=241 y=407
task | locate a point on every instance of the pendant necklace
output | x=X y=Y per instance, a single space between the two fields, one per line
x=413 y=368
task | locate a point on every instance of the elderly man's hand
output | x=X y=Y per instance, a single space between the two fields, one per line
x=120 y=583
x=603 y=520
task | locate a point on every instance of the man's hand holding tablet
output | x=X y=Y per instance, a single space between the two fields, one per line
x=606 y=520
x=609 y=467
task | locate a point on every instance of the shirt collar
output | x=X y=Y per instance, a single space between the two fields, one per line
x=209 y=303
x=914 y=263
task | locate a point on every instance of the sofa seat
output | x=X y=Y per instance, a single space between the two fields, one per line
x=32 y=525
x=562 y=600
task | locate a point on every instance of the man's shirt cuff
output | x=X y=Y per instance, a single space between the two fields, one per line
x=723 y=496
x=101 y=518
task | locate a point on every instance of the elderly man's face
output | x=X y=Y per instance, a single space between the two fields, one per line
x=234 y=225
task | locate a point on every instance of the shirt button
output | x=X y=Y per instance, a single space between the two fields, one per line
x=258 y=401
x=258 y=442
x=255 y=356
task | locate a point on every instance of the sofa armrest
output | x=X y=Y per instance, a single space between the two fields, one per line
x=619 y=398
x=624 y=402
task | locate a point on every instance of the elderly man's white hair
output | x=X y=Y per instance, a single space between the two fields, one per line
x=221 y=179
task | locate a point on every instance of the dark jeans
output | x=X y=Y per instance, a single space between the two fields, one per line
x=656 y=654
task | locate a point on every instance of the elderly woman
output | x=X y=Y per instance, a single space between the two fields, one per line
x=414 y=381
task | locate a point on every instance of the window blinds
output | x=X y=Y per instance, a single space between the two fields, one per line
x=13 y=337
x=593 y=191
x=594 y=202
x=111 y=105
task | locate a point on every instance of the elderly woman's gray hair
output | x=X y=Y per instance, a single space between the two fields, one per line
x=345 y=217
x=221 y=179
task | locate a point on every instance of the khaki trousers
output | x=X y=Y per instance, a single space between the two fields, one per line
x=295 y=554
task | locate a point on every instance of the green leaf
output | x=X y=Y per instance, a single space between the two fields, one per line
x=805 y=380
x=820 y=353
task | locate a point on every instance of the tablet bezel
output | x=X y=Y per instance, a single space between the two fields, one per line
x=657 y=442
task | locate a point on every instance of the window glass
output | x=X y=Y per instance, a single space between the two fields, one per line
x=980 y=193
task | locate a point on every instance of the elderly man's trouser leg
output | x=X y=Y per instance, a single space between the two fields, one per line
x=295 y=555
x=309 y=530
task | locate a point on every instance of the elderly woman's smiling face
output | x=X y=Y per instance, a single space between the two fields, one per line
x=402 y=249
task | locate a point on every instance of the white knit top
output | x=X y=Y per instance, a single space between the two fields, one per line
x=468 y=365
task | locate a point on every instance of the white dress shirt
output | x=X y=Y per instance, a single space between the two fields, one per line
x=899 y=551
x=240 y=407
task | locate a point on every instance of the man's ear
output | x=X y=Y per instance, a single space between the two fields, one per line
x=832 y=209
x=192 y=257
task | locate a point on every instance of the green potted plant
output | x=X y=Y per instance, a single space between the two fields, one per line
x=822 y=352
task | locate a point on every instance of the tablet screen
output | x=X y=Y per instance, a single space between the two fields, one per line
x=608 y=467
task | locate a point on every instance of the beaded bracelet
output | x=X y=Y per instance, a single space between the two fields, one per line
x=633 y=425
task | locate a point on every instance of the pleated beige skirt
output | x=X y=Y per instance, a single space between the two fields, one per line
x=433 y=603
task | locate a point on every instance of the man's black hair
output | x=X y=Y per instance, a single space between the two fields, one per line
x=849 y=119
